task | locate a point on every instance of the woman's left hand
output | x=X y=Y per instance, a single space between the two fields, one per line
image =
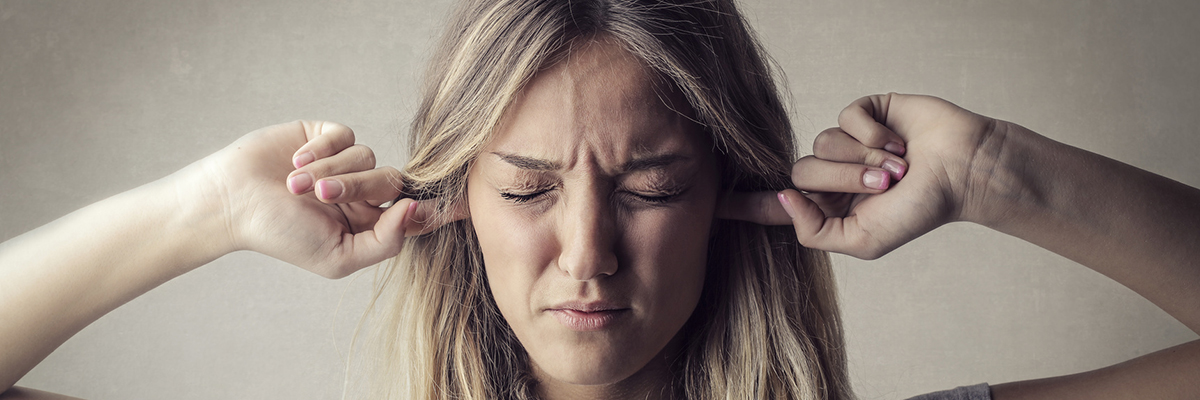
x=896 y=167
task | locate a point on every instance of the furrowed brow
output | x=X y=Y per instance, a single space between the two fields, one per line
x=652 y=162
x=530 y=163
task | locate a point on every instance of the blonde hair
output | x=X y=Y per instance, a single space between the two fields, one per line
x=767 y=325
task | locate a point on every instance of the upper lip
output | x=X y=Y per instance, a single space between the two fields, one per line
x=588 y=306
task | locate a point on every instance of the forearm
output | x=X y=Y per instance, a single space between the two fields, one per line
x=1165 y=374
x=1133 y=226
x=59 y=278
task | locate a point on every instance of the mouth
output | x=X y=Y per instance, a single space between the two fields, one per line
x=584 y=317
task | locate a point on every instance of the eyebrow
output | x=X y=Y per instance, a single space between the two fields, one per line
x=639 y=164
x=530 y=163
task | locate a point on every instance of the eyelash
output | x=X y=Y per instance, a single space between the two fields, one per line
x=525 y=198
x=521 y=198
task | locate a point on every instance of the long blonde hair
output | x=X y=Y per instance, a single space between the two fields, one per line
x=767 y=325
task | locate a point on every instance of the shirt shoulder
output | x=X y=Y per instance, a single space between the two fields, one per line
x=974 y=392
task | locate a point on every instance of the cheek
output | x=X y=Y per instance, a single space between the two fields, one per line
x=667 y=254
x=514 y=252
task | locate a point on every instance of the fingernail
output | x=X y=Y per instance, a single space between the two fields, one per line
x=303 y=159
x=875 y=179
x=787 y=205
x=894 y=148
x=896 y=168
x=299 y=183
x=411 y=214
x=329 y=189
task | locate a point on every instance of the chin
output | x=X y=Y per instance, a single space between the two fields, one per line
x=591 y=367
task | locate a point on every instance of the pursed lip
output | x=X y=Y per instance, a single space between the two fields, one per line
x=587 y=316
x=587 y=306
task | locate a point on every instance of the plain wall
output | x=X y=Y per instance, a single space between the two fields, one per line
x=97 y=97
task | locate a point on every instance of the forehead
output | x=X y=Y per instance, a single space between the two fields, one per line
x=600 y=102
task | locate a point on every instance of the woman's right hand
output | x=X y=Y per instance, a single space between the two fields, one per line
x=304 y=193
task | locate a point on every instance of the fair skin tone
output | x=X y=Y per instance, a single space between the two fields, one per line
x=594 y=191
x=957 y=166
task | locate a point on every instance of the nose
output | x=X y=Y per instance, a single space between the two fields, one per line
x=588 y=238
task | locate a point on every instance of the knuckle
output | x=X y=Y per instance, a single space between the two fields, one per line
x=875 y=157
x=368 y=156
x=824 y=141
x=853 y=176
x=319 y=169
x=351 y=187
x=844 y=115
x=358 y=155
x=798 y=175
x=873 y=136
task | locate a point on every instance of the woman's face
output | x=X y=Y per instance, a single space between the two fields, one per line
x=592 y=207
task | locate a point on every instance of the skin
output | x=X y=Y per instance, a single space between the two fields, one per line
x=957 y=166
x=617 y=208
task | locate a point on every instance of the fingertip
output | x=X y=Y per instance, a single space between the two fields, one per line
x=876 y=179
x=807 y=217
x=896 y=148
x=412 y=210
x=303 y=159
x=787 y=204
x=299 y=183
x=329 y=189
x=894 y=168
x=395 y=219
x=329 y=127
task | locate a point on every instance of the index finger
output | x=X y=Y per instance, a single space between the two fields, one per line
x=427 y=218
x=762 y=208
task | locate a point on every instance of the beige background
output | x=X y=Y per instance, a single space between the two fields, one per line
x=99 y=97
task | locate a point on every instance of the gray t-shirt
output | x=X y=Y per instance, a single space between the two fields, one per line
x=974 y=392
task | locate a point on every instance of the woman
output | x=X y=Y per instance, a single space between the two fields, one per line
x=604 y=176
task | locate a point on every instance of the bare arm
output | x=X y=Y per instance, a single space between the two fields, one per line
x=1138 y=228
x=59 y=278
x=1135 y=227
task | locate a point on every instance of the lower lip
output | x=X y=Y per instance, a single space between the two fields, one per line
x=587 y=321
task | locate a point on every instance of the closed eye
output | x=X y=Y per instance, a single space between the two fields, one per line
x=521 y=198
x=655 y=199
x=656 y=196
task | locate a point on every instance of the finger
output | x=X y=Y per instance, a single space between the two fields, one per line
x=376 y=186
x=836 y=234
x=361 y=216
x=864 y=120
x=428 y=218
x=366 y=248
x=324 y=139
x=817 y=175
x=834 y=144
x=354 y=159
x=762 y=208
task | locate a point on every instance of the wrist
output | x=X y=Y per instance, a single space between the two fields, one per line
x=1000 y=189
x=204 y=219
